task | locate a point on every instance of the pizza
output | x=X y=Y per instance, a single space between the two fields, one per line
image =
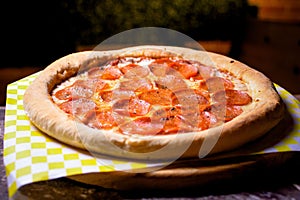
x=152 y=102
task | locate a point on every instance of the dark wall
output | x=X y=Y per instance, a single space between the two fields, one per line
x=35 y=33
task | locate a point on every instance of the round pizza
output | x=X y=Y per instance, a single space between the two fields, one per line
x=152 y=102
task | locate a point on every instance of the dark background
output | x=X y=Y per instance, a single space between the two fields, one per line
x=264 y=34
x=43 y=31
x=36 y=33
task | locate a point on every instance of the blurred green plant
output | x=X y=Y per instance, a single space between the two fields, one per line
x=199 y=19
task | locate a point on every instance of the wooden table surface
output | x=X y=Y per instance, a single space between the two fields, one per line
x=280 y=183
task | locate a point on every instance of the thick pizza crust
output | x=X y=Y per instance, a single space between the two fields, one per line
x=265 y=111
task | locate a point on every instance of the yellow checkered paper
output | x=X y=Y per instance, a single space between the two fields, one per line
x=31 y=156
x=290 y=142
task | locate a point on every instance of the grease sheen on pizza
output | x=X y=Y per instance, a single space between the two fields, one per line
x=152 y=102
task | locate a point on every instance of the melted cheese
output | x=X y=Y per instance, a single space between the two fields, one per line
x=114 y=85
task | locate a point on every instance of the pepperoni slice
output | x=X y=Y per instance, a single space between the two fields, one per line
x=78 y=107
x=100 y=119
x=166 y=112
x=142 y=126
x=172 y=125
x=195 y=121
x=185 y=69
x=163 y=66
x=232 y=97
x=137 y=85
x=204 y=71
x=158 y=69
x=174 y=121
x=206 y=120
x=121 y=107
x=122 y=94
x=158 y=97
x=134 y=70
x=78 y=89
x=104 y=120
x=170 y=118
x=132 y=107
x=232 y=112
x=197 y=77
x=111 y=95
x=108 y=73
x=97 y=85
x=105 y=96
x=111 y=73
x=171 y=82
x=138 y=107
x=95 y=72
x=225 y=112
x=189 y=98
x=191 y=103
x=215 y=84
x=64 y=94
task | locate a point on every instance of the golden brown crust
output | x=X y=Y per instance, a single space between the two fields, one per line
x=265 y=111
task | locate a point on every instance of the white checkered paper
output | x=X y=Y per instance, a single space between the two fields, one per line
x=31 y=156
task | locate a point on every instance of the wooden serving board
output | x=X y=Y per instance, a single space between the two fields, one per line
x=193 y=173
x=241 y=164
